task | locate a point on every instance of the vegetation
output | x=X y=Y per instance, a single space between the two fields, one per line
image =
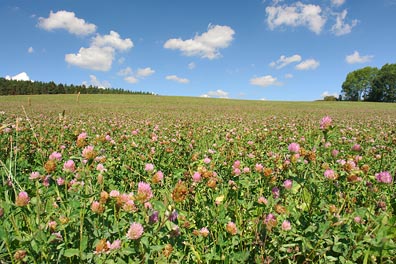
x=371 y=84
x=151 y=179
x=14 y=87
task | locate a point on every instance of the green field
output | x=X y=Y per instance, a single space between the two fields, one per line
x=155 y=179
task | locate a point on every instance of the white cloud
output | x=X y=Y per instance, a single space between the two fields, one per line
x=206 y=45
x=288 y=75
x=112 y=40
x=142 y=73
x=94 y=58
x=177 y=79
x=297 y=14
x=326 y=93
x=340 y=27
x=191 y=65
x=95 y=82
x=19 y=77
x=30 y=50
x=131 y=79
x=101 y=53
x=337 y=2
x=264 y=81
x=284 y=61
x=218 y=94
x=68 y=21
x=356 y=58
x=125 y=72
x=309 y=64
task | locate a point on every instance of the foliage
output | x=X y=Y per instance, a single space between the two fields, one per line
x=371 y=84
x=359 y=83
x=150 y=179
x=15 y=87
x=384 y=85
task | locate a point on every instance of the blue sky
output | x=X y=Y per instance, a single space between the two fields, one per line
x=241 y=49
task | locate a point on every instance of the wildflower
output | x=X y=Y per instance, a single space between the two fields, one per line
x=246 y=170
x=60 y=181
x=149 y=167
x=158 y=176
x=288 y=184
x=237 y=172
x=144 y=192
x=97 y=207
x=22 y=199
x=82 y=136
x=69 y=166
x=114 y=194
x=175 y=232
x=103 y=197
x=231 y=228
x=135 y=231
x=129 y=206
x=34 y=175
x=206 y=160
x=334 y=153
x=275 y=192
x=180 y=192
x=330 y=174
x=325 y=123
x=259 y=167
x=262 y=200
x=19 y=255
x=204 y=232
x=173 y=216
x=153 y=218
x=50 y=166
x=167 y=251
x=357 y=219
x=356 y=148
x=294 y=147
x=196 y=177
x=286 y=226
x=89 y=153
x=52 y=225
x=100 y=167
x=115 y=245
x=55 y=156
x=270 y=221
x=384 y=177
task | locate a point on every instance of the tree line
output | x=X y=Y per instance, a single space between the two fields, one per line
x=15 y=87
x=371 y=84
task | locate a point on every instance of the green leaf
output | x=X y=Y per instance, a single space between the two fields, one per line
x=71 y=252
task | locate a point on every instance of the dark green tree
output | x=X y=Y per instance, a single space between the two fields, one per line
x=384 y=85
x=358 y=84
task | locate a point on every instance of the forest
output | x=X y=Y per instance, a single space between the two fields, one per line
x=15 y=87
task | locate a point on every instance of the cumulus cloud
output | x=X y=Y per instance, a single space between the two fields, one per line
x=284 y=61
x=68 y=21
x=310 y=64
x=93 y=58
x=206 y=45
x=356 y=58
x=288 y=75
x=30 y=50
x=131 y=79
x=177 y=79
x=191 y=65
x=337 y=2
x=264 y=81
x=112 y=40
x=19 y=77
x=95 y=82
x=295 y=15
x=134 y=77
x=217 y=94
x=142 y=73
x=126 y=71
x=341 y=27
x=100 y=54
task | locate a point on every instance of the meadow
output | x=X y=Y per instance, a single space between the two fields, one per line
x=154 y=179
